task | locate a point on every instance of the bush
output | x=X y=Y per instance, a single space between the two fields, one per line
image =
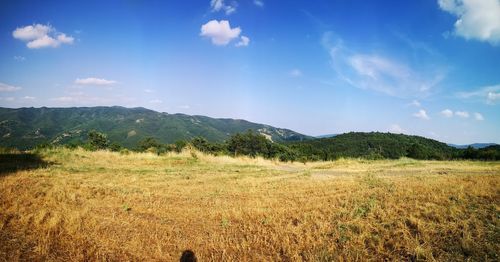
x=97 y=141
x=147 y=143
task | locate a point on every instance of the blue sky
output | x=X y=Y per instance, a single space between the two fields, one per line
x=429 y=68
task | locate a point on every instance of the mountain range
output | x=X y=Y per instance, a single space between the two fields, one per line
x=27 y=127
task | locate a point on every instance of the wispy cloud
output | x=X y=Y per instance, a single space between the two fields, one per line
x=478 y=116
x=462 y=114
x=488 y=94
x=8 y=88
x=19 y=58
x=396 y=129
x=155 y=101
x=478 y=19
x=41 y=36
x=258 y=3
x=92 y=81
x=295 y=72
x=220 y=32
x=8 y=99
x=377 y=72
x=220 y=5
x=415 y=103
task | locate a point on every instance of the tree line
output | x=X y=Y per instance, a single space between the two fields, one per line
x=373 y=145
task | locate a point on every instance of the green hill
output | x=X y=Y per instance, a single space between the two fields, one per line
x=27 y=127
x=373 y=145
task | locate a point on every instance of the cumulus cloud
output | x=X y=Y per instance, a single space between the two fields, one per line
x=447 y=113
x=476 y=19
x=489 y=94
x=462 y=114
x=94 y=81
x=422 y=114
x=41 y=36
x=221 y=32
x=396 y=129
x=244 y=41
x=8 y=88
x=478 y=116
x=379 y=72
x=220 y=5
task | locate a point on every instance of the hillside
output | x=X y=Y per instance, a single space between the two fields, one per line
x=373 y=145
x=27 y=127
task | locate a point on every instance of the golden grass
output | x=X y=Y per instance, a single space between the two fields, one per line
x=143 y=207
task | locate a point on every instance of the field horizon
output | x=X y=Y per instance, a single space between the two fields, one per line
x=71 y=204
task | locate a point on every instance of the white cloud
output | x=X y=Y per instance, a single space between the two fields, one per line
x=492 y=97
x=447 y=113
x=378 y=72
x=219 y=5
x=258 y=3
x=8 y=88
x=489 y=94
x=94 y=81
x=244 y=41
x=40 y=36
x=476 y=19
x=184 y=107
x=462 y=114
x=220 y=33
x=295 y=73
x=156 y=101
x=422 y=115
x=396 y=129
x=29 y=98
x=415 y=103
x=149 y=91
x=478 y=116
x=19 y=58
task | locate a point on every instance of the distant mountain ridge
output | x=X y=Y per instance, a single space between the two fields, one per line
x=27 y=127
x=475 y=145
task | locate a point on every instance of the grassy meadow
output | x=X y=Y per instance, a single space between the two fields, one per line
x=76 y=205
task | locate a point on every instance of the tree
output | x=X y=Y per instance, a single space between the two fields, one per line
x=97 y=141
x=201 y=144
x=147 y=143
x=250 y=143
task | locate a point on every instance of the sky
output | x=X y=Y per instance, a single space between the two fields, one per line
x=428 y=68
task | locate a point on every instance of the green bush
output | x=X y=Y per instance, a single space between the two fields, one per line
x=97 y=141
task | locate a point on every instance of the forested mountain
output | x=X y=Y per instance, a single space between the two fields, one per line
x=27 y=127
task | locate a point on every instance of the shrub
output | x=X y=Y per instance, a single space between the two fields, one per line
x=97 y=141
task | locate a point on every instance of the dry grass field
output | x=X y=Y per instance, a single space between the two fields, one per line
x=73 y=205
